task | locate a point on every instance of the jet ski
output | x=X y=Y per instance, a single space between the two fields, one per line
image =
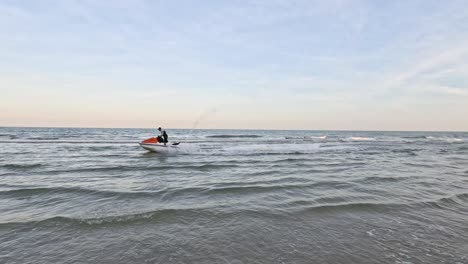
x=155 y=144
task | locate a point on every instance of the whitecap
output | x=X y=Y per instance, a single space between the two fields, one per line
x=360 y=139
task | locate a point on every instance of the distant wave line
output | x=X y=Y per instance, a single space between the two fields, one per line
x=234 y=136
x=30 y=141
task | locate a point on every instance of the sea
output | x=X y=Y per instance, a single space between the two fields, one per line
x=85 y=195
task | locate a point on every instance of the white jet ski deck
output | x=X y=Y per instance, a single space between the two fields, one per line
x=153 y=145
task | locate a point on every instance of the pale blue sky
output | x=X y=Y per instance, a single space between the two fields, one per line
x=370 y=65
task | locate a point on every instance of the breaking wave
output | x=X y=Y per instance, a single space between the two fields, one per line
x=453 y=202
x=360 y=139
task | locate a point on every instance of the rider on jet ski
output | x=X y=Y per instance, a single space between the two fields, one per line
x=163 y=135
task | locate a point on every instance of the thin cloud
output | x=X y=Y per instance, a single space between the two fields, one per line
x=294 y=57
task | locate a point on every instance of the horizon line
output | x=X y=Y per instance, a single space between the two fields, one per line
x=251 y=129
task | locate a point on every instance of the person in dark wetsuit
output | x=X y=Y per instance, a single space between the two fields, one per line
x=163 y=135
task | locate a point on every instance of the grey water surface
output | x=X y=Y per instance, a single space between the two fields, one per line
x=70 y=195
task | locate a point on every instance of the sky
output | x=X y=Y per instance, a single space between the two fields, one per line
x=266 y=64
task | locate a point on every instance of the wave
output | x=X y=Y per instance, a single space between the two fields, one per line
x=248 y=188
x=53 y=190
x=43 y=141
x=453 y=202
x=360 y=139
x=418 y=165
x=115 y=219
x=411 y=152
x=339 y=207
x=307 y=137
x=289 y=160
x=446 y=139
x=274 y=184
x=380 y=179
x=42 y=138
x=415 y=137
x=321 y=137
x=168 y=213
x=234 y=136
x=21 y=166
x=457 y=200
x=163 y=194
x=265 y=149
x=203 y=167
x=262 y=188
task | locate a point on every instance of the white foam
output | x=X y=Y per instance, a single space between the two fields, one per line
x=446 y=139
x=187 y=149
x=371 y=232
x=360 y=139
x=273 y=149
x=321 y=137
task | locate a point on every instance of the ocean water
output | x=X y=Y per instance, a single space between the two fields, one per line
x=72 y=195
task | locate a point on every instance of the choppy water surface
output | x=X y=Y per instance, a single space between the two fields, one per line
x=232 y=196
